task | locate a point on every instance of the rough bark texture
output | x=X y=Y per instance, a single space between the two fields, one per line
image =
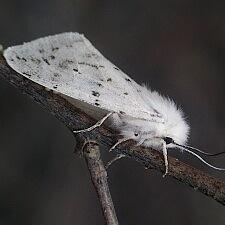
x=74 y=119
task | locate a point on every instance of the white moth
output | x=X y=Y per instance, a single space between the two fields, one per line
x=69 y=64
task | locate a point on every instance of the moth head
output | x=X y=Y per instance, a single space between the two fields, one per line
x=175 y=128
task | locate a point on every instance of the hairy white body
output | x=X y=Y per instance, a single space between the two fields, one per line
x=69 y=64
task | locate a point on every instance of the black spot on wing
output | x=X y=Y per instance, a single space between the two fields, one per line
x=75 y=70
x=99 y=84
x=128 y=80
x=109 y=80
x=97 y=102
x=116 y=68
x=46 y=61
x=57 y=75
x=55 y=49
x=121 y=112
x=95 y=93
x=125 y=93
x=157 y=112
x=19 y=58
x=88 y=64
x=52 y=56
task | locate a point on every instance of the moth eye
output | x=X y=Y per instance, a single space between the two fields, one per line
x=168 y=140
x=136 y=134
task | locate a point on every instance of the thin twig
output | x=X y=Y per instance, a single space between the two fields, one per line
x=75 y=119
x=99 y=179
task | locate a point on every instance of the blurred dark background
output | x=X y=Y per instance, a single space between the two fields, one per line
x=175 y=46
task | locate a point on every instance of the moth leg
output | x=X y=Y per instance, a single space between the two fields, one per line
x=165 y=158
x=119 y=156
x=98 y=124
x=118 y=142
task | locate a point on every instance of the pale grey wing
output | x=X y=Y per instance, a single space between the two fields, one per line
x=69 y=63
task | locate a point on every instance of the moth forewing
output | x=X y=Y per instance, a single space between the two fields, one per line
x=70 y=65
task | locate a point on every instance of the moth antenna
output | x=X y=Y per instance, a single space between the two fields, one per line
x=200 y=158
x=200 y=151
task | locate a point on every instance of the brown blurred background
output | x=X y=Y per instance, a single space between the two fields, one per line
x=175 y=46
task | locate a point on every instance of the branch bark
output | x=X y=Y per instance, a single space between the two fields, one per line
x=75 y=119
x=99 y=179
